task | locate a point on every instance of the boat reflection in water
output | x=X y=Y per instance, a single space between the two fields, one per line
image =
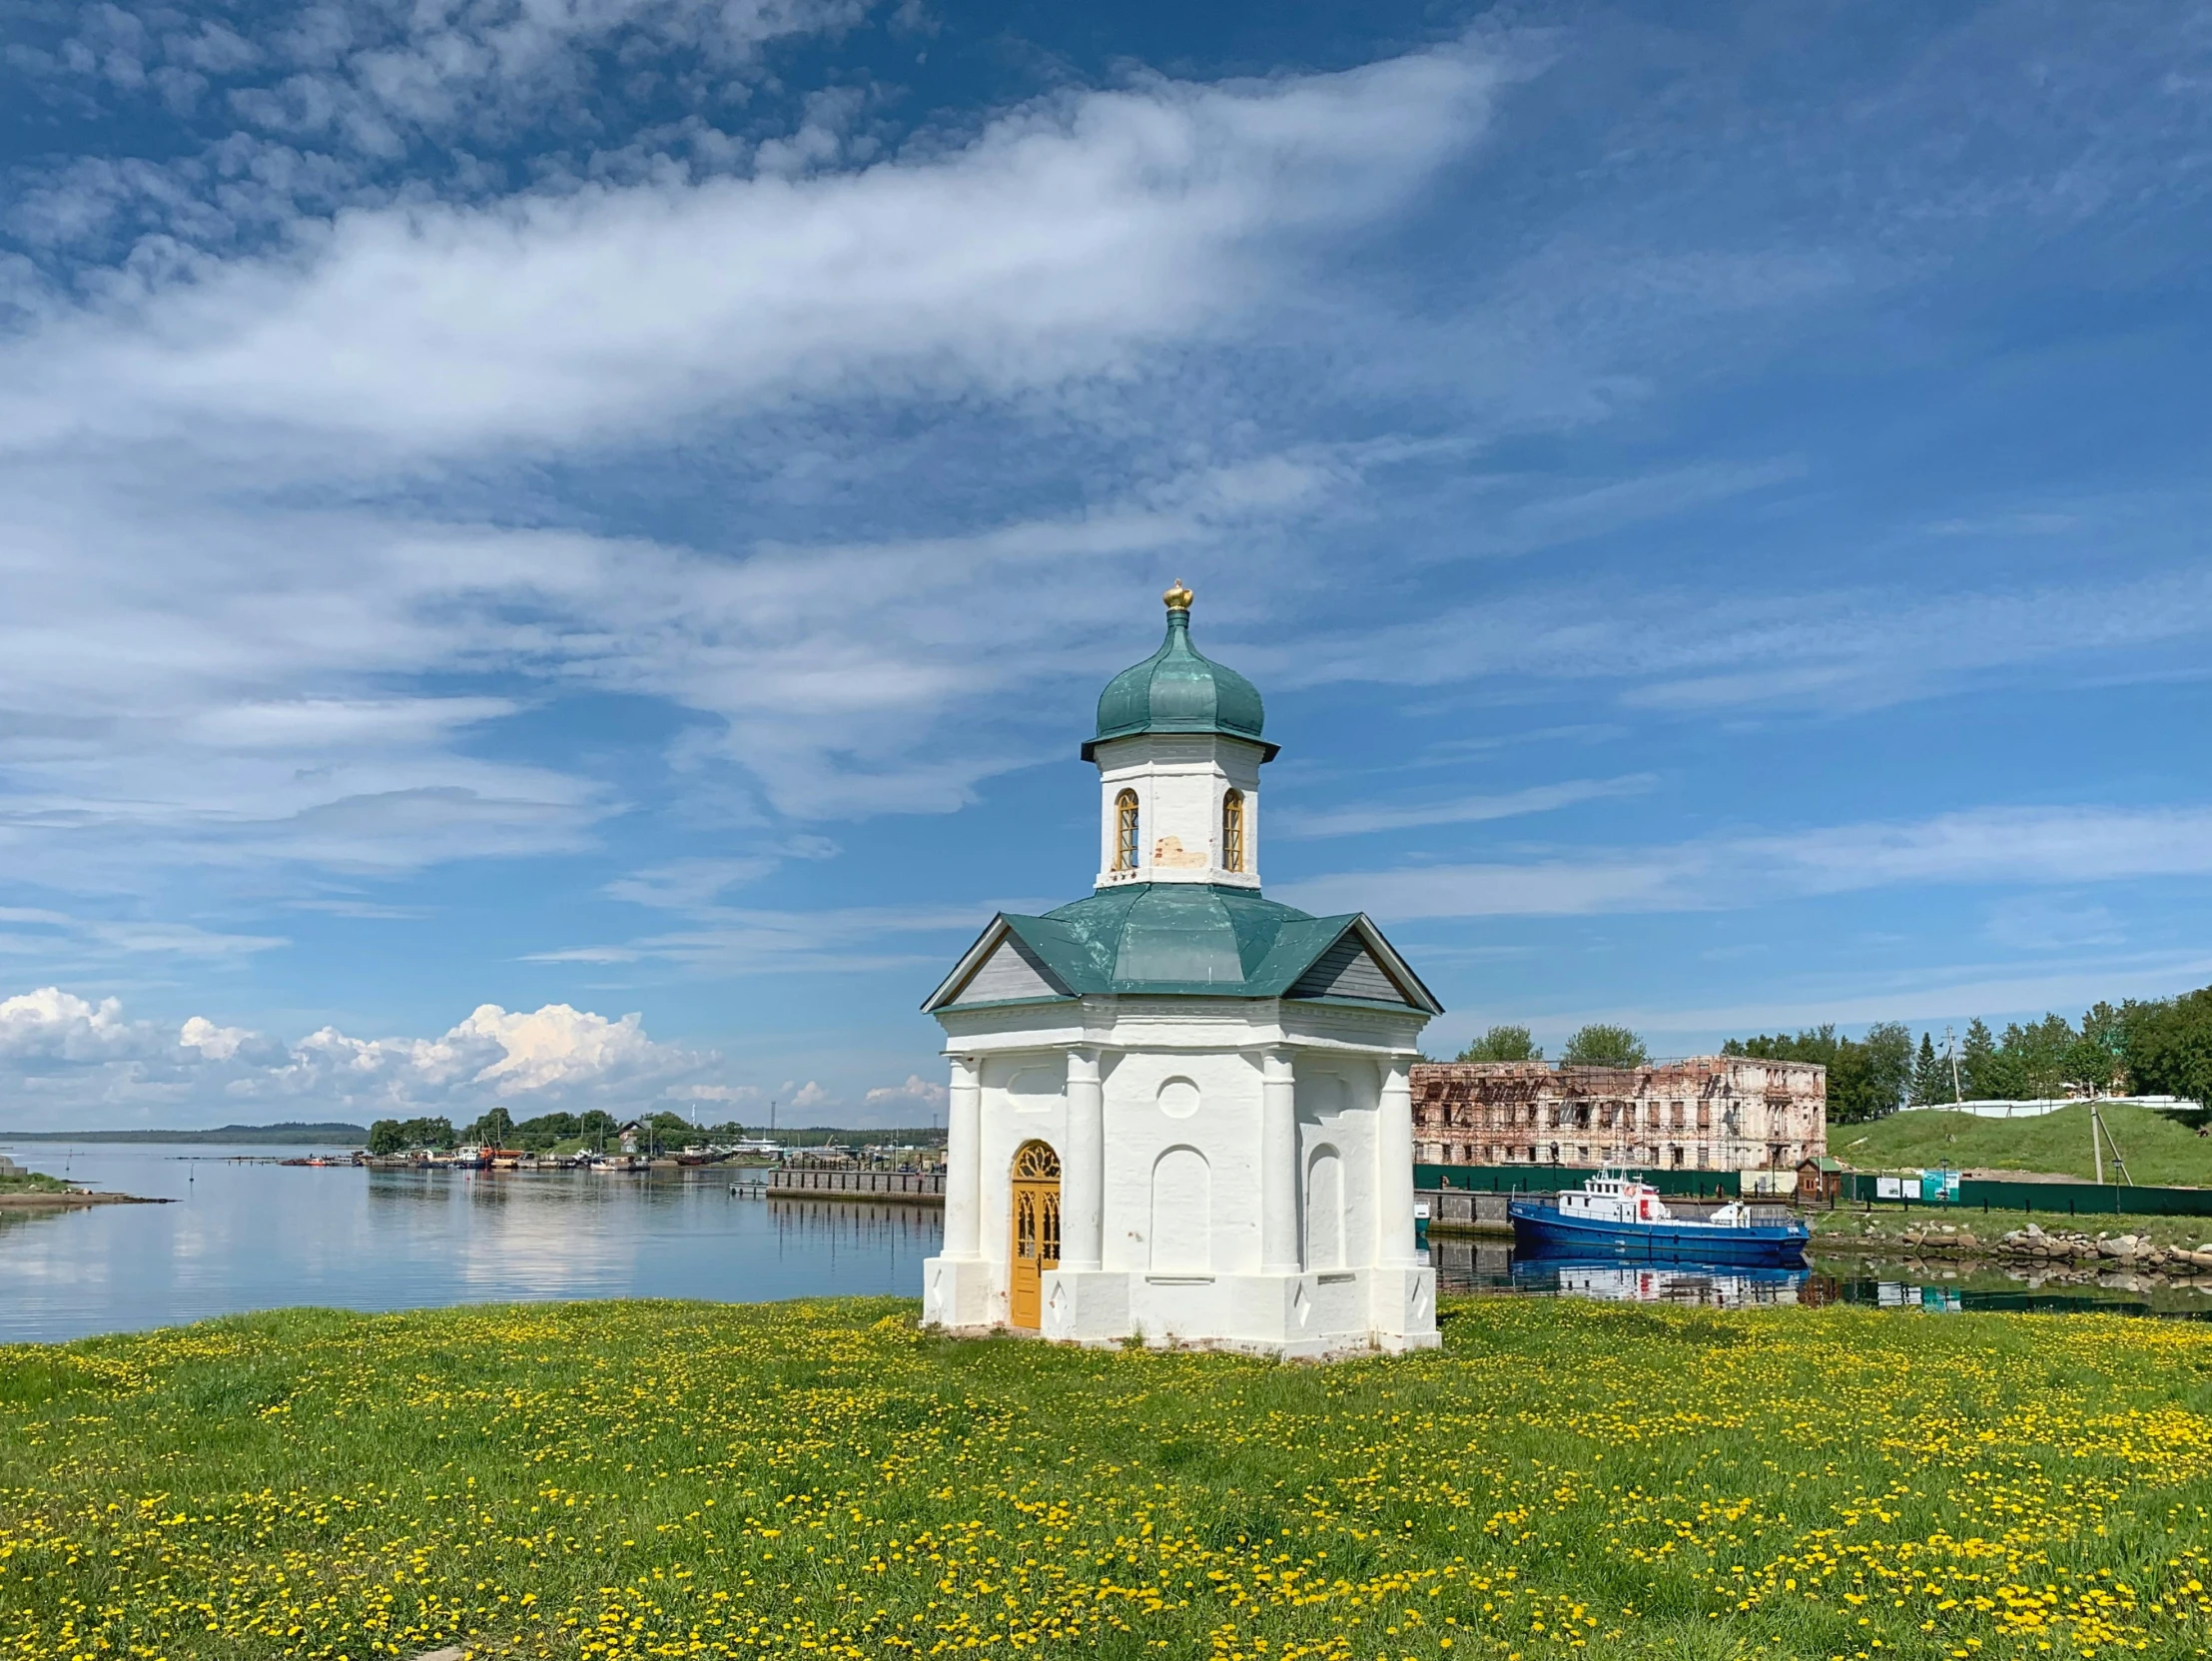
x=1489 y=1266
x=1712 y=1285
x=1474 y=1264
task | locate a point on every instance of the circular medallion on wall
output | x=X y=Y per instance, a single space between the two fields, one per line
x=1178 y=1098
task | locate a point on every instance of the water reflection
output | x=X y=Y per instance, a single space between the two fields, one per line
x=1483 y=1266
x=262 y=1236
x=1494 y=1266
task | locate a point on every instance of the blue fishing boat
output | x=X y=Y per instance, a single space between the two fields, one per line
x=1622 y=1218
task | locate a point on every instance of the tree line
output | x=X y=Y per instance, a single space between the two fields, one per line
x=500 y=1129
x=2152 y=1047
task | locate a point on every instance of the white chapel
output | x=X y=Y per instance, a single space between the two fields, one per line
x=1179 y=1111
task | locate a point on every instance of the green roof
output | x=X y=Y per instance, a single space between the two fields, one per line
x=1177 y=690
x=1190 y=939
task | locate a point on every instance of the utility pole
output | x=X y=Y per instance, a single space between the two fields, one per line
x=2120 y=1161
x=2096 y=1151
x=1951 y=1049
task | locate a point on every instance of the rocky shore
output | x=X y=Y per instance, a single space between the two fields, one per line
x=2032 y=1247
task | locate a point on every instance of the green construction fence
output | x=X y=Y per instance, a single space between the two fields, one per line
x=1973 y=1193
x=2053 y=1199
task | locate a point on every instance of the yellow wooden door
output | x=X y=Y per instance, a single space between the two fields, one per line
x=1036 y=1221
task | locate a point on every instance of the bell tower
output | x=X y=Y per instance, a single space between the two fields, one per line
x=1179 y=750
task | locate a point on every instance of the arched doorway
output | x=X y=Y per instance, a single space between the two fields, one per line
x=1036 y=1214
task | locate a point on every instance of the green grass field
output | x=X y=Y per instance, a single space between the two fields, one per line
x=818 y=1479
x=2160 y=1148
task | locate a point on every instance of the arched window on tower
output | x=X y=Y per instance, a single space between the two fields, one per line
x=1124 y=831
x=1232 y=831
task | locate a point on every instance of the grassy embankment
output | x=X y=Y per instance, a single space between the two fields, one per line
x=818 y=1479
x=2161 y=1149
x=31 y=1181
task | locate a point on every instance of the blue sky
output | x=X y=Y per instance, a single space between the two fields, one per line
x=561 y=554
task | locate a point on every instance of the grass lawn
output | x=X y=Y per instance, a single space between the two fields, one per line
x=2160 y=1148
x=818 y=1479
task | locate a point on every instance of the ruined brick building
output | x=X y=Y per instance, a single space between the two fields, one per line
x=1709 y=1113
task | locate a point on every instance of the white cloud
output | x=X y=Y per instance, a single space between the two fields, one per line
x=916 y=1092
x=1463 y=810
x=2010 y=844
x=735 y=1094
x=215 y=1043
x=186 y=689
x=811 y=1095
x=1983 y=846
x=732 y=941
x=87 y=1056
x=556 y=1053
x=58 y=938
x=1067 y=237
x=351 y=86
x=556 y=1044
x=1945 y=993
x=52 y=1024
x=1690 y=653
x=689 y=884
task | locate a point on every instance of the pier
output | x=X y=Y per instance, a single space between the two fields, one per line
x=912 y=1188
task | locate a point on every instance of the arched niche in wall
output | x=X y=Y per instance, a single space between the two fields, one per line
x=1182 y=1212
x=1324 y=1207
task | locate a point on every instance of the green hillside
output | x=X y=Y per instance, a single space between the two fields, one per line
x=2161 y=1150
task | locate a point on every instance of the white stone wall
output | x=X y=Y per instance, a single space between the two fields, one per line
x=1024 y=1099
x=1180 y=780
x=1337 y=1096
x=1208 y=1104
x=1184 y=1198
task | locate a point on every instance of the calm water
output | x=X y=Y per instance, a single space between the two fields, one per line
x=1491 y=1266
x=262 y=1236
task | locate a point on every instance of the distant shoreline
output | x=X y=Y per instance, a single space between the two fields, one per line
x=286 y=1135
x=338 y=1134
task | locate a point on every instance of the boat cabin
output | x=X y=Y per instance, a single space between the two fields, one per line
x=1607 y=1198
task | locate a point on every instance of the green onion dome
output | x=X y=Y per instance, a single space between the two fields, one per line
x=1177 y=690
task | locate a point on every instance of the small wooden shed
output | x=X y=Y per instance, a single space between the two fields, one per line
x=1820 y=1178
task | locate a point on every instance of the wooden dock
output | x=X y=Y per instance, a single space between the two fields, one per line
x=898 y=1188
x=1456 y=1212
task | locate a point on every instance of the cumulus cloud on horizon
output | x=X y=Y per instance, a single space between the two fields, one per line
x=64 y=1056
x=71 y=1055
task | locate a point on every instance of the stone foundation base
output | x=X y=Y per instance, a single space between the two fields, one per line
x=1310 y=1315
x=955 y=1292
